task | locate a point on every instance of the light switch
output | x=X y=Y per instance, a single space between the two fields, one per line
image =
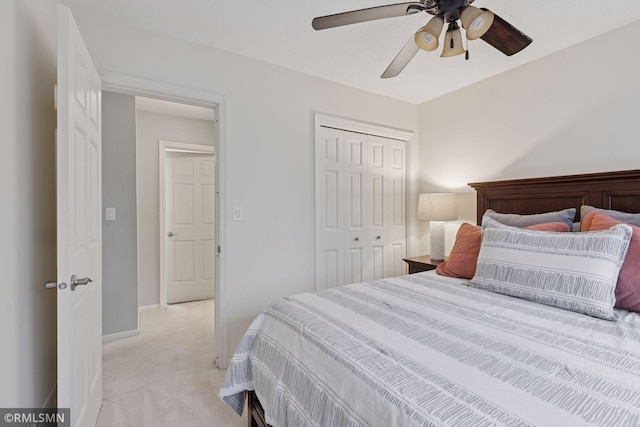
x=237 y=213
x=111 y=214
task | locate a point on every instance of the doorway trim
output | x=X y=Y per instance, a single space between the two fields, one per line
x=136 y=86
x=163 y=148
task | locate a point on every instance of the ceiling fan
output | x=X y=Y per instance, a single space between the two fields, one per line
x=477 y=22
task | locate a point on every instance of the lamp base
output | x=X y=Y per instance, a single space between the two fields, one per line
x=436 y=238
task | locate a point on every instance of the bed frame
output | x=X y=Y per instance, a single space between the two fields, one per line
x=609 y=190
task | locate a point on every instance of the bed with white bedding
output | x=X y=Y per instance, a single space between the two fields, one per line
x=430 y=350
x=424 y=350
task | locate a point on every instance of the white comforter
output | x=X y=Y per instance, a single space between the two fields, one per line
x=426 y=350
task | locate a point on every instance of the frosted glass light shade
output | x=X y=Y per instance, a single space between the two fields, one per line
x=437 y=207
x=457 y=49
x=476 y=22
x=427 y=37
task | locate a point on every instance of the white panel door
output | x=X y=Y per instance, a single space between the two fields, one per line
x=383 y=234
x=357 y=209
x=191 y=227
x=79 y=234
x=378 y=166
x=330 y=215
x=395 y=214
x=361 y=207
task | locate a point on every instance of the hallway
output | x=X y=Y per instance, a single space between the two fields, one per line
x=165 y=376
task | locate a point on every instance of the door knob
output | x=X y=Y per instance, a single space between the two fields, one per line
x=378 y=237
x=75 y=282
x=171 y=234
x=356 y=239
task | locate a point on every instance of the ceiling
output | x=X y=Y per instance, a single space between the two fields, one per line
x=279 y=32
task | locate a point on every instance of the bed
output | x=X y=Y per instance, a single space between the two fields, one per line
x=426 y=349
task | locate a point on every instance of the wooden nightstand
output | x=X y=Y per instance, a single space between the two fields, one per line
x=421 y=263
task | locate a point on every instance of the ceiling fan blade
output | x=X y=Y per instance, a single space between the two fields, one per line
x=369 y=14
x=505 y=37
x=402 y=59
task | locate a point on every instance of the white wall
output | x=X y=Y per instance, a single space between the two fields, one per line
x=575 y=111
x=270 y=152
x=152 y=128
x=28 y=250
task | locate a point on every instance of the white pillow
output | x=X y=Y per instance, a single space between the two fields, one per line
x=573 y=271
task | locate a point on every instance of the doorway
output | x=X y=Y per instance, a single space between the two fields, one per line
x=157 y=123
x=135 y=213
x=124 y=84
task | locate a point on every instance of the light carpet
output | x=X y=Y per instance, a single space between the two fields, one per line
x=166 y=375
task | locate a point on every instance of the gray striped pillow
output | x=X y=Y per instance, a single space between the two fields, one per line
x=573 y=271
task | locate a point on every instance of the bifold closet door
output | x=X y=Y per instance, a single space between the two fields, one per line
x=358 y=206
x=375 y=224
x=361 y=226
x=395 y=207
x=329 y=209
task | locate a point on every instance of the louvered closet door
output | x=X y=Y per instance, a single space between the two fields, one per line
x=361 y=226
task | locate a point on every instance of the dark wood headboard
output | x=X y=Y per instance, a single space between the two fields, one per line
x=609 y=190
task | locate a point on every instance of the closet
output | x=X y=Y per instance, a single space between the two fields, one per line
x=360 y=207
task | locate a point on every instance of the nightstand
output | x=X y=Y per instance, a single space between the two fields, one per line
x=421 y=263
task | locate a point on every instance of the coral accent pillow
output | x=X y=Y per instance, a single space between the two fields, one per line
x=628 y=286
x=464 y=254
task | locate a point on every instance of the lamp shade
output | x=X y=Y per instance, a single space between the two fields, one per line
x=452 y=43
x=476 y=22
x=427 y=37
x=437 y=207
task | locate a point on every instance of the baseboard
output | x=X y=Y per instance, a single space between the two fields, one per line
x=148 y=308
x=52 y=398
x=120 y=335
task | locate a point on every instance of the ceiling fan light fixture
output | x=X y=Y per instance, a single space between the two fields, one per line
x=476 y=21
x=427 y=37
x=452 y=43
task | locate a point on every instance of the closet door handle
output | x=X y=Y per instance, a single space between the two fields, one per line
x=378 y=237
x=356 y=239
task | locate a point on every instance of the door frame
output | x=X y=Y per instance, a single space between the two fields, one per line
x=351 y=125
x=162 y=184
x=136 y=86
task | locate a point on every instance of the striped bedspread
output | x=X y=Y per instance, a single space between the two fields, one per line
x=427 y=350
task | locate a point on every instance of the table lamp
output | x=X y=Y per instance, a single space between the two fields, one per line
x=437 y=208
